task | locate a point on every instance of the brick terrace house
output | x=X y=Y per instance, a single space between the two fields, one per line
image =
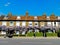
x=23 y=23
x=29 y=23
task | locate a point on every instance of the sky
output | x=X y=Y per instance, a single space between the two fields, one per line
x=34 y=7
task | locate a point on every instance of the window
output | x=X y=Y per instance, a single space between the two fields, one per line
x=11 y=23
x=30 y=24
x=59 y=23
x=4 y=23
x=48 y=23
x=23 y=23
x=36 y=24
x=17 y=23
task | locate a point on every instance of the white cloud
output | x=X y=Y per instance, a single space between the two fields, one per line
x=7 y=4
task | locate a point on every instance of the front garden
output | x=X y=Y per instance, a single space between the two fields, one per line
x=37 y=34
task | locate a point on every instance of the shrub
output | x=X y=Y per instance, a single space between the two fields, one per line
x=39 y=34
x=58 y=33
x=30 y=34
x=51 y=34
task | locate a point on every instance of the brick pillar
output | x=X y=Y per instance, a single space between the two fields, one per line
x=45 y=23
x=14 y=23
x=26 y=23
x=38 y=24
x=42 y=23
x=21 y=23
x=33 y=24
x=0 y=22
x=7 y=23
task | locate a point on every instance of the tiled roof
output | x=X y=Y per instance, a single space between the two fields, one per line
x=12 y=18
x=22 y=18
x=30 y=18
x=52 y=17
x=44 y=17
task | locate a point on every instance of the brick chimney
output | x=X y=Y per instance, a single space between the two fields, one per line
x=26 y=13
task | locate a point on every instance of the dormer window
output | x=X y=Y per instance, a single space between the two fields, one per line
x=48 y=18
x=18 y=17
x=35 y=17
x=58 y=18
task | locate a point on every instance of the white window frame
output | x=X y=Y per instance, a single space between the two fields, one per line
x=11 y=24
x=4 y=23
x=35 y=23
x=30 y=23
x=17 y=23
x=23 y=23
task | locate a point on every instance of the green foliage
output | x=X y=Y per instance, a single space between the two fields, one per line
x=39 y=34
x=51 y=34
x=30 y=34
x=58 y=33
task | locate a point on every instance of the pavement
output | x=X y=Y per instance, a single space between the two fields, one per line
x=33 y=37
x=36 y=37
x=30 y=41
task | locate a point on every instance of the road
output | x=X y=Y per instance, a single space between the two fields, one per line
x=19 y=41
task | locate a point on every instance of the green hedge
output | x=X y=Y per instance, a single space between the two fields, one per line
x=58 y=33
x=39 y=34
x=51 y=34
x=30 y=34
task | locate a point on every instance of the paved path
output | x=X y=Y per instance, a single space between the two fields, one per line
x=33 y=38
x=30 y=41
